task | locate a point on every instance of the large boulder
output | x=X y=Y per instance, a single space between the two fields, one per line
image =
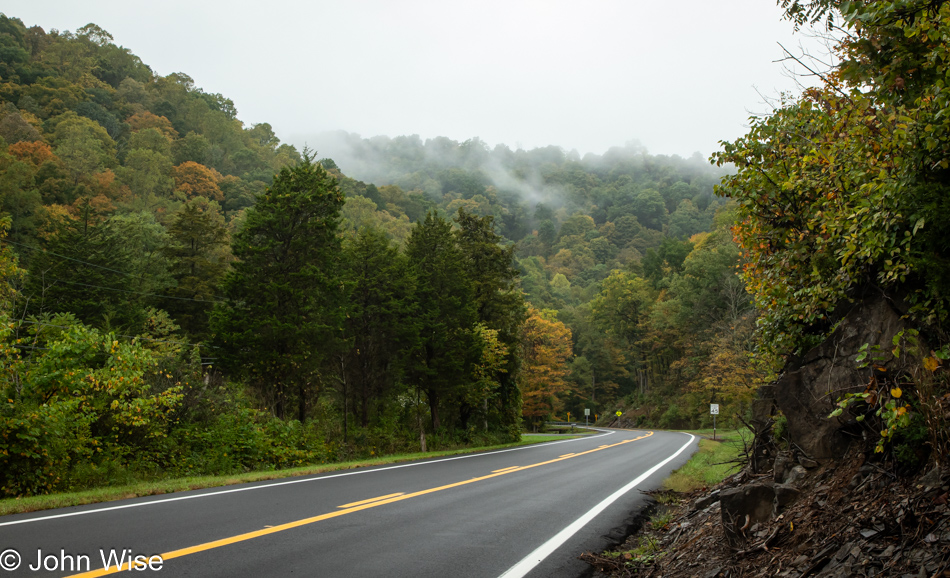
x=785 y=494
x=744 y=507
x=810 y=386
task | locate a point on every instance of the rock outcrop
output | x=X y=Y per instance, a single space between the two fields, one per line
x=810 y=386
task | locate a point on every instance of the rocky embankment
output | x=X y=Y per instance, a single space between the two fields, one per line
x=800 y=519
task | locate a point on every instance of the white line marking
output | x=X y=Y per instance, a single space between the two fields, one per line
x=544 y=550
x=295 y=481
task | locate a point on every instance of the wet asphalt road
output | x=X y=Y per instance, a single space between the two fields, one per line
x=478 y=515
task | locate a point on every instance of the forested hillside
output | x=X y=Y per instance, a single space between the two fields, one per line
x=628 y=259
x=181 y=293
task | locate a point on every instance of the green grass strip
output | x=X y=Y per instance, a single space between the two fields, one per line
x=709 y=465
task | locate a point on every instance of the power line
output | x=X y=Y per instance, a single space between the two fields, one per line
x=205 y=361
x=128 y=336
x=107 y=269
x=136 y=292
x=40 y=249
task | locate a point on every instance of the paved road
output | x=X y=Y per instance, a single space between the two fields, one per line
x=527 y=511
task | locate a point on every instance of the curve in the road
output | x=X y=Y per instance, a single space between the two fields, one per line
x=397 y=497
x=532 y=560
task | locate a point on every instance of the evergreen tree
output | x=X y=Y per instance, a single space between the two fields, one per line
x=378 y=325
x=84 y=270
x=283 y=291
x=445 y=346
x=498 y=303
x=198 y=256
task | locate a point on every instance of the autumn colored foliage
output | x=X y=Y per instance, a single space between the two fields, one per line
x=36 y=152
x=145 y=120
x=196 y=180
x=839 y=191
x=546 y=348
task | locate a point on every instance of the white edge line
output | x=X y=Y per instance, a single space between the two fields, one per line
x=529 y=562
x=295 y=481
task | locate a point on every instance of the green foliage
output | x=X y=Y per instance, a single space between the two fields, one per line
x=622 y=304
x=911 y=442
x=378 y=326
x=836 y=191
x=780 y=429
x=70 y=393
x=671 y=418
x=837 y=195
x=668 y=259
x=84 y=269
x=662 y=520
x=500 y=311
x=198 y=255
x=244 y=440
x=714 y=461
x=647 y=552
x=445 y=314
x=283 y=292
x=894 y=408
x=10 y=271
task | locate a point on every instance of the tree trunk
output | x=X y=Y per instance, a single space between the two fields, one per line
x=422 y=430
x=366 y=387
x=343 y=381
x=364 y=401
x=433 y=408
x=279 y=401
x=302 y=402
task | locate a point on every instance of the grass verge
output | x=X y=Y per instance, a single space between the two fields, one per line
x=153 y=488
x=710 y=465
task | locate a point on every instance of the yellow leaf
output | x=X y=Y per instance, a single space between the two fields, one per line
x=896 y=392
x=931 y=364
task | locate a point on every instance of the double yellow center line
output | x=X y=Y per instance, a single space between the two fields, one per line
x=348 y=509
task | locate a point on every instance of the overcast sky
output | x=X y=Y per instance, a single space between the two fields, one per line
x=676 y=76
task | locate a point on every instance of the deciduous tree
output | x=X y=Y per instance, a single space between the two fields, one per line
x=546 y=349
